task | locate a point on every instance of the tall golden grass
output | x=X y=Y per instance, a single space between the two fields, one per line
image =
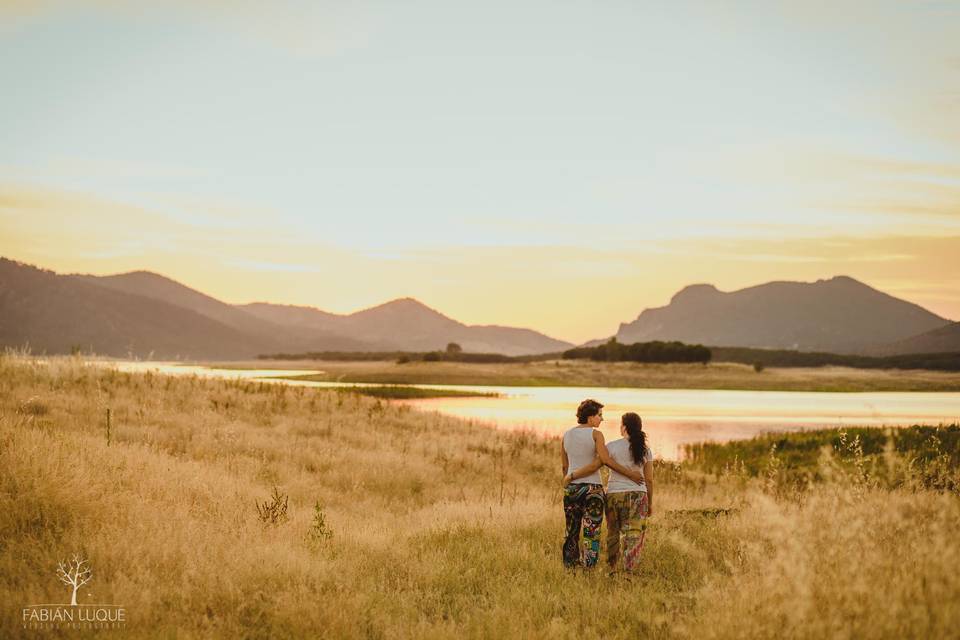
x=440 y=528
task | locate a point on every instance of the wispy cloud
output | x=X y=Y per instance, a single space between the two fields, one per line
x=879 y=190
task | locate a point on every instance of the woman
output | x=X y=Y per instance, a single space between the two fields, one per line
x=583 y=449
x=629 y=499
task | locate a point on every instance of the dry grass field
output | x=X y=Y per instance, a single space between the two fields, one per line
x=402 y=524
x=585 y=373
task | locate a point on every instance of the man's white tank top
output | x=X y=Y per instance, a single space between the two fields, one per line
x=581 y=450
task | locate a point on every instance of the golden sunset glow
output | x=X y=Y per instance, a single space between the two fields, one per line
x=540 y=287
x=514 y=319
x=295 y=157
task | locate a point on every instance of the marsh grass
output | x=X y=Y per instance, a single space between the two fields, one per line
x=440 y=528
x=928 y=456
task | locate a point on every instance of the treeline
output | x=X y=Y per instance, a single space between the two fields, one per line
x=403 y=357
x=655 y=351
x=784 y=358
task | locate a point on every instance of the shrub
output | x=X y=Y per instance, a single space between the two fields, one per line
x=274 y=511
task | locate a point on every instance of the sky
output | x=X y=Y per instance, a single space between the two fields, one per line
x=556 y=165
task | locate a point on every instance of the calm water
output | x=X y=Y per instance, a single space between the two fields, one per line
x=672 y=417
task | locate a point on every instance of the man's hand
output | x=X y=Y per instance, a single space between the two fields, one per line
x=566 y=480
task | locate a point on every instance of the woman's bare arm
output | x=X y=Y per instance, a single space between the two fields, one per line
x=583 y=471
x=605 y=457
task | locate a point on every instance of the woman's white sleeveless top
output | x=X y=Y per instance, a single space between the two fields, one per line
x=581 y=450
x=619 y=450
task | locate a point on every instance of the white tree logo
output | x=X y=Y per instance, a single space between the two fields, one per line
x=75 y=573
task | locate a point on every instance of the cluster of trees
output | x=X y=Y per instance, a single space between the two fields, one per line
x=655 y=351
x=761 y=358
x=453 y=353
x=614 y=351
x=342 y=356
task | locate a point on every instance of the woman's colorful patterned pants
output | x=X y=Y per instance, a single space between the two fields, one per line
x=627 y=516
x=582 y=503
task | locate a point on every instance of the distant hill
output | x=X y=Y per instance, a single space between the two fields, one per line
x=942 y=340
x=839 y=315
x=291 y=315
x=152 y=285
x=408 y=325
x=142 y=313
x=589 y=344
x=158 y=287
x=56 y=313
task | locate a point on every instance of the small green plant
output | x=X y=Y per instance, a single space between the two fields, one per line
x=274 y=511
x=320 y=531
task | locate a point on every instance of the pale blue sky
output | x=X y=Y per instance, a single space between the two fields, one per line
x=382 y=132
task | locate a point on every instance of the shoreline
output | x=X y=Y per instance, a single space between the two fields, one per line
x=559 y=373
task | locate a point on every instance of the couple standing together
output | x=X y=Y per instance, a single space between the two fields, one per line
x=628 y=500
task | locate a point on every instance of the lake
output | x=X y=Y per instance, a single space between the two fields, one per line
x=671 y=417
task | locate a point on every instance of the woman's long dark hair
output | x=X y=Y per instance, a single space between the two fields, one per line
x=638 y=439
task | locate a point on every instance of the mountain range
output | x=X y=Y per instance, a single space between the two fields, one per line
x=145 y=314
x=148 y=315
x=839 y=315
x=945 y=339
